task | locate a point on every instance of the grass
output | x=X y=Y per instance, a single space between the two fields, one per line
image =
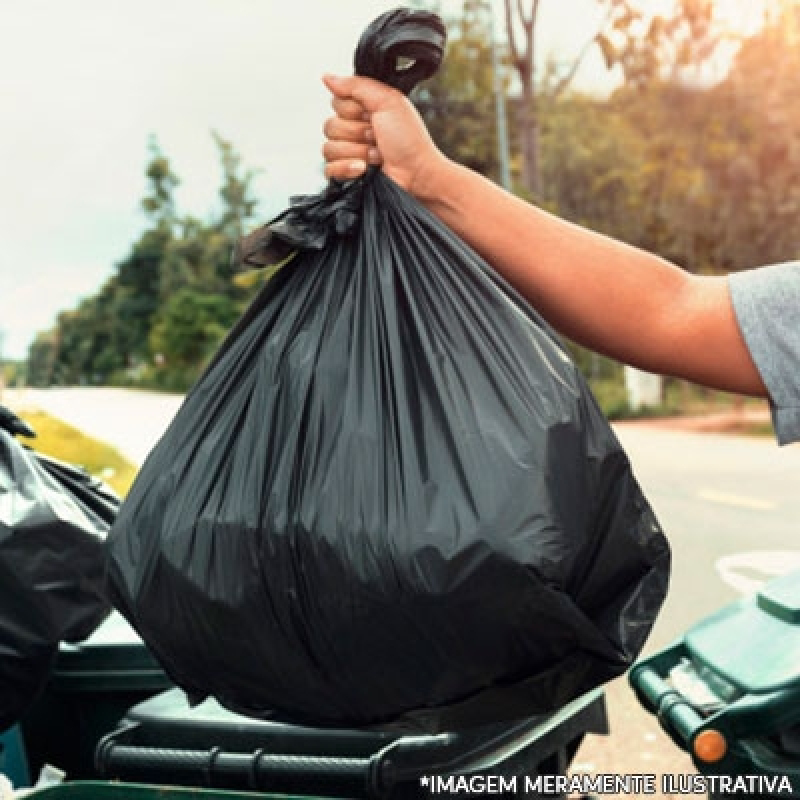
x=57 y=439
x=683 y=399
x=759 y=429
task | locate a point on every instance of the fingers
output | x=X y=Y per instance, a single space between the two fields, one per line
x=344 y=170
x=348 y=130
x=370 y=94
x=347 y=160
x=350 y=144
x=339 y=151
x=350 y=147
x=349 y=109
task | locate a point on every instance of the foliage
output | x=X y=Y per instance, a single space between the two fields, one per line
x=612 y=398
x=59 y=440
x=649 y=47
x=706 y=175
x=13 y=373
x=42 y=355
x=458 y=103
x=188 y=329
x=168 y=303
x=653 y=48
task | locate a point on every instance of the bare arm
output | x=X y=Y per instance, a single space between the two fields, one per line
x=608 y=296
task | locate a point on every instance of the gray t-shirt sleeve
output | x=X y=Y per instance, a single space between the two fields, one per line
x=767 y=306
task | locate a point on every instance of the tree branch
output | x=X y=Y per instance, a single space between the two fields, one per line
x=565 y=81
x=512 y=39
x=520 y=12
x=530 y=33
x=534 y=13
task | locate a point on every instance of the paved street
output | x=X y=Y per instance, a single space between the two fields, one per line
x=132 y=421
x=729 y=505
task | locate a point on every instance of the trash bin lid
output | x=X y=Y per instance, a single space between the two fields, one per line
x=754 y=643
x=113 y=658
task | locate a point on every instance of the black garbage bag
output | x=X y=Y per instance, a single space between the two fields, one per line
x=53 y=520
x=391 y=499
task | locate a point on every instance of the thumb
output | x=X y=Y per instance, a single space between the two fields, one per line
x=371 y=94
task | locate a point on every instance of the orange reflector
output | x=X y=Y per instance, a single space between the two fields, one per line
x=710 y=746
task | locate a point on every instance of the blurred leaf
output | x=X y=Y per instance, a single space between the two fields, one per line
x=607 y=49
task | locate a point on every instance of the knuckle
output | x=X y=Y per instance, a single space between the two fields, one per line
x=350 y=109
x=328 y=151
x=362 y=128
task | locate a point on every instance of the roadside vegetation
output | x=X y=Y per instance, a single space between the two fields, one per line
x=60 y=440
x=705 y=172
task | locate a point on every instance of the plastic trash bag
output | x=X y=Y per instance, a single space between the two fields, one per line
x=391 y=499
x=53 y=520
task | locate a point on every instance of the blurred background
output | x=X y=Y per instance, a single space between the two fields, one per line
x=141 y=140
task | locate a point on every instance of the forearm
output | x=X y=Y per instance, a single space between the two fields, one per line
x=606 y=295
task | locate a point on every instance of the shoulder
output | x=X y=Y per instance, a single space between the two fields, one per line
x=777 y=283
x=767 y=306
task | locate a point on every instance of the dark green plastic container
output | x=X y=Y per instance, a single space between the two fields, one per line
x=92 y=686
x=92 y=790
x=13 y=762
x=736 y=674
x=164 y=741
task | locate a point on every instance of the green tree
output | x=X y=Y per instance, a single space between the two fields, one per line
x=196 y=278
x=179 y=265
x=457 y=104
x=239 y=203
x=190 y=327
x=159 y=201
x=42 y=354
x=647 y=47
x=757 y=175
x=137 y=294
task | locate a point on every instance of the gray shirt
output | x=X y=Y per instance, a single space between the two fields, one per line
x=767 y=306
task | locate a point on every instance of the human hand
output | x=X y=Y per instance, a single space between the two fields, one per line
x=378 y=125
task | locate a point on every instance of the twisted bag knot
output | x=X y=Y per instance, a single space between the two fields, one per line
x=400 y=48
x=310 y=223
x=312 y=219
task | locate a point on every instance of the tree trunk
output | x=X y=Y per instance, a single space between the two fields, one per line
x=528 y=128
x=523 y=58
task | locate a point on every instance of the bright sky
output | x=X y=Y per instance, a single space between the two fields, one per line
x=84 y=83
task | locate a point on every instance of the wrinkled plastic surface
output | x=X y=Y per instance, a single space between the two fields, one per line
x=53 y=520
x=391 y=499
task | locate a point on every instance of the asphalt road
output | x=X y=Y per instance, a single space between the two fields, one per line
x=728 y=504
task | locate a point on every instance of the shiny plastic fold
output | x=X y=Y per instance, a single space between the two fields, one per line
x=53 y=520
x=391 y=499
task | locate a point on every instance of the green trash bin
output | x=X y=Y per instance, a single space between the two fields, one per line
x=92 y=685
x=93 y=790
x=13 y=763
x=728 y=693
x=165 y=741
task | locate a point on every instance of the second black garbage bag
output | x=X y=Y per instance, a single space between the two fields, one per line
x=391 y=499
x=53 y=519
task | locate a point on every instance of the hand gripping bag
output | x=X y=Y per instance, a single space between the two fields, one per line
x=53 y=519
x=391 y=499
